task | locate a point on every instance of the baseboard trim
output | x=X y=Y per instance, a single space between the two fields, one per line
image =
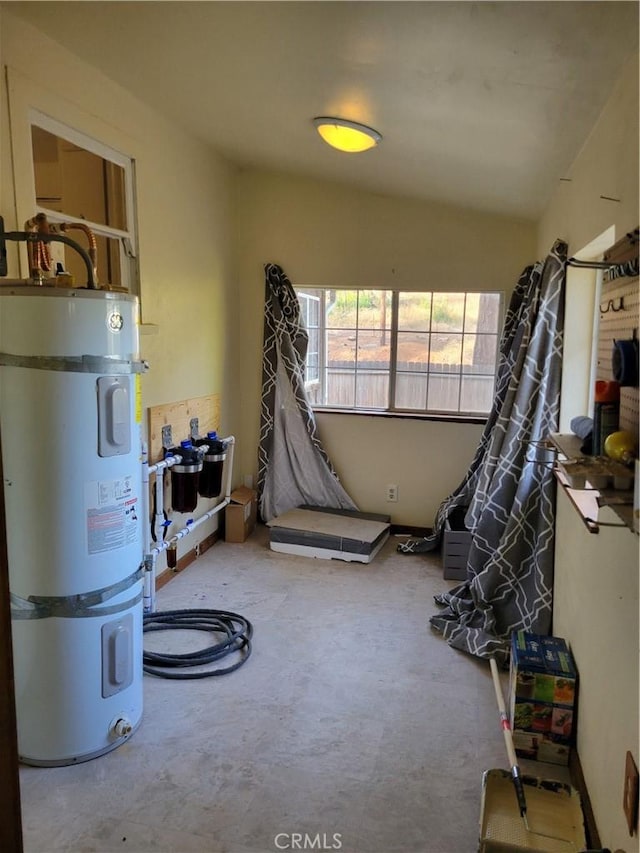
x=191 y=556
x=578 y=781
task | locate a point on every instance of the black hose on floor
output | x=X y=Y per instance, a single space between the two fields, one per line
x=235 y=630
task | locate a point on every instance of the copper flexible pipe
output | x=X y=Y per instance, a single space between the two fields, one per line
x=30 y=237
x=39 y=253
x=91 y=237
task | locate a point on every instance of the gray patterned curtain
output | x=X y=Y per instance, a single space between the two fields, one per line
x=293 y=468
x=509 y=489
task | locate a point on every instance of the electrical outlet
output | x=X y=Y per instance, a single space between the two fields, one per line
x=392 y=492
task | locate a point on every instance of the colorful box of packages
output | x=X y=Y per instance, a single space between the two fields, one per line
x=542 y=692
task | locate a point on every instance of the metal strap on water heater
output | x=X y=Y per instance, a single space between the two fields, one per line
x=76 y=606
x=75 y=364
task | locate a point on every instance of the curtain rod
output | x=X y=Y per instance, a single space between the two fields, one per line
x=631 y=265
x=632 y=237
x=592 y=265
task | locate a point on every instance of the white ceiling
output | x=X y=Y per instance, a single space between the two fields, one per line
x=480 y=104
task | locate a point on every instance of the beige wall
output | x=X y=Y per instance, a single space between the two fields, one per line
x=596 y=586
x=596 y=611
x=324 y=234
x=606 y=166
x=185 y=216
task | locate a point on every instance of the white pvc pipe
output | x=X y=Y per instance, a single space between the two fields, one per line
x=231 y=443
x=192 y=525
x=159 y=469
x=158 y=521
x=151 y=554
x=165 y=463
x=189 y=527
x=149 y=594
x=145 y=498
x=148 y=580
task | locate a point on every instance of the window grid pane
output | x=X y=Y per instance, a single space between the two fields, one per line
x=81 y=181
x=442 y=348
x=373 y=349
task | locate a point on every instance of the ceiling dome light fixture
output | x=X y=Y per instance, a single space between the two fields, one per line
x=346 y=135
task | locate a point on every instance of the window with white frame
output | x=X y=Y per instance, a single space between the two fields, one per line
x=401 y=351
x=82 y=182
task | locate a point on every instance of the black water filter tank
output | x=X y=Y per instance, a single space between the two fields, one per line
x=210 y=484
x=185 y=477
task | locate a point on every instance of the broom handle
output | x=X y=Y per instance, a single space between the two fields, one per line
x=508 y=738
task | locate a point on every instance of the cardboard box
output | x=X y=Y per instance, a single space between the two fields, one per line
x=542 y=693
x=240 y=515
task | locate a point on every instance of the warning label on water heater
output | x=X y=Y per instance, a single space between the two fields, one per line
x=112 y=514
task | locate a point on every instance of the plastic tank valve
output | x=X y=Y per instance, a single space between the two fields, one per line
x=121 y=728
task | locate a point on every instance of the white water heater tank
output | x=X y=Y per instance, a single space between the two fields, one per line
x=70 y=415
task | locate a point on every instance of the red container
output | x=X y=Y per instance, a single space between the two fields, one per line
x=606 y=413
x=607 y=392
